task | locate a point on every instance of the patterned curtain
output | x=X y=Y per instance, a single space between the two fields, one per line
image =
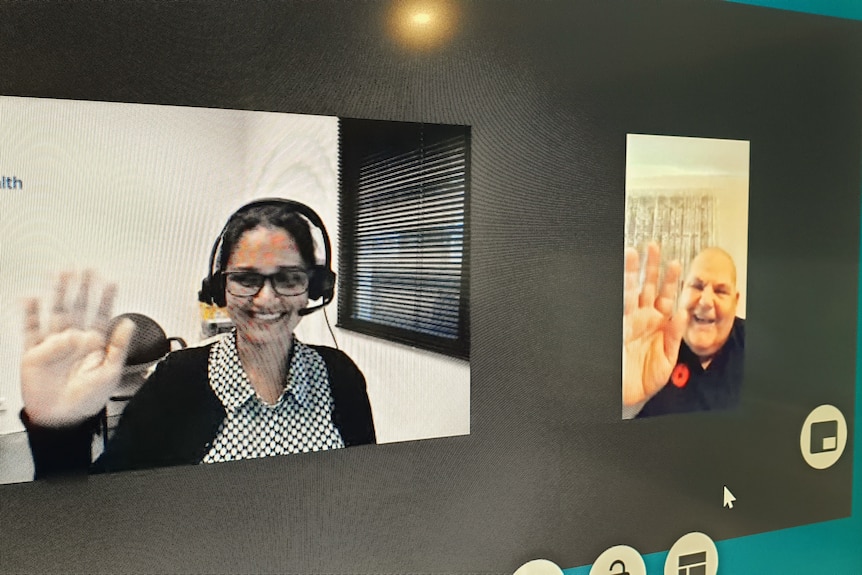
x=682 y=224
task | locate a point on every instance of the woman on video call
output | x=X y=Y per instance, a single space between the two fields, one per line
x=256 y=392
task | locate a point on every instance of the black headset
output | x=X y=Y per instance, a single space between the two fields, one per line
x=321 y=278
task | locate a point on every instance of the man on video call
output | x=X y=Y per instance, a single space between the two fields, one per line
x=687 y=357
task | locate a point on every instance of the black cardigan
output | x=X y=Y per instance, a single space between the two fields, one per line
x=175 y=416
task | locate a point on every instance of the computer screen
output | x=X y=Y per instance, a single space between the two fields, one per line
x=590 y=272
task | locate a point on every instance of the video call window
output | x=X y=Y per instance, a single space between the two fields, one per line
x=141 y=195
x=405 y=249
x=686 y=237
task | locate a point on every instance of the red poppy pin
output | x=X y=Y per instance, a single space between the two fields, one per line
x=679 y=376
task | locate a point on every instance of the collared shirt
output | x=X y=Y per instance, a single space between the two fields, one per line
x=299 y=422
x=719 y=386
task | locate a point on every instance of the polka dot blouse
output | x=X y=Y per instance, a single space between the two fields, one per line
x=299 y=422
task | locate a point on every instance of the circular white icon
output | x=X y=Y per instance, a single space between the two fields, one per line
x=823 y=437
x=539 y=567
x=693 y=553
x=619 y=560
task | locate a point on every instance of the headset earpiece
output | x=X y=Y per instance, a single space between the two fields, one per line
x=218 y=290
x=321 y=284
x=212 y=290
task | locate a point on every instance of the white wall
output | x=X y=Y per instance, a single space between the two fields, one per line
x=139 y=193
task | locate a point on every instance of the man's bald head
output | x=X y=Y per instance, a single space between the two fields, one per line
x=715 y=256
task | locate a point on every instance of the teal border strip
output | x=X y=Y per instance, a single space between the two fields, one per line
x=820 y=548
x=851 y=9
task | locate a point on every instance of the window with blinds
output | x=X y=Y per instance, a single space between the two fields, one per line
x=404 y=241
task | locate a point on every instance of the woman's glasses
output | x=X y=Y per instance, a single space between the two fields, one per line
x=286 y=281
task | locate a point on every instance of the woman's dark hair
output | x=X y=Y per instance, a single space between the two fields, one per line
x=270 y=216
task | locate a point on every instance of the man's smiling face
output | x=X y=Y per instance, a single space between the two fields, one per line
x=710 y=297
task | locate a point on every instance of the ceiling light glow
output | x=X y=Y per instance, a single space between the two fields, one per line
x=422 y=25
x=422 y=18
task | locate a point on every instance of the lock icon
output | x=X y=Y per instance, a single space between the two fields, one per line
x=619 y=560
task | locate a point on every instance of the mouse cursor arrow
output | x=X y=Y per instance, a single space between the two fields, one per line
x=728 y=498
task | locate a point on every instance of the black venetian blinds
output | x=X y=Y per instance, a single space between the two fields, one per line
x=404 y=240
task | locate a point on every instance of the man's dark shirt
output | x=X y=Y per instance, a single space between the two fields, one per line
x=716 y=387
